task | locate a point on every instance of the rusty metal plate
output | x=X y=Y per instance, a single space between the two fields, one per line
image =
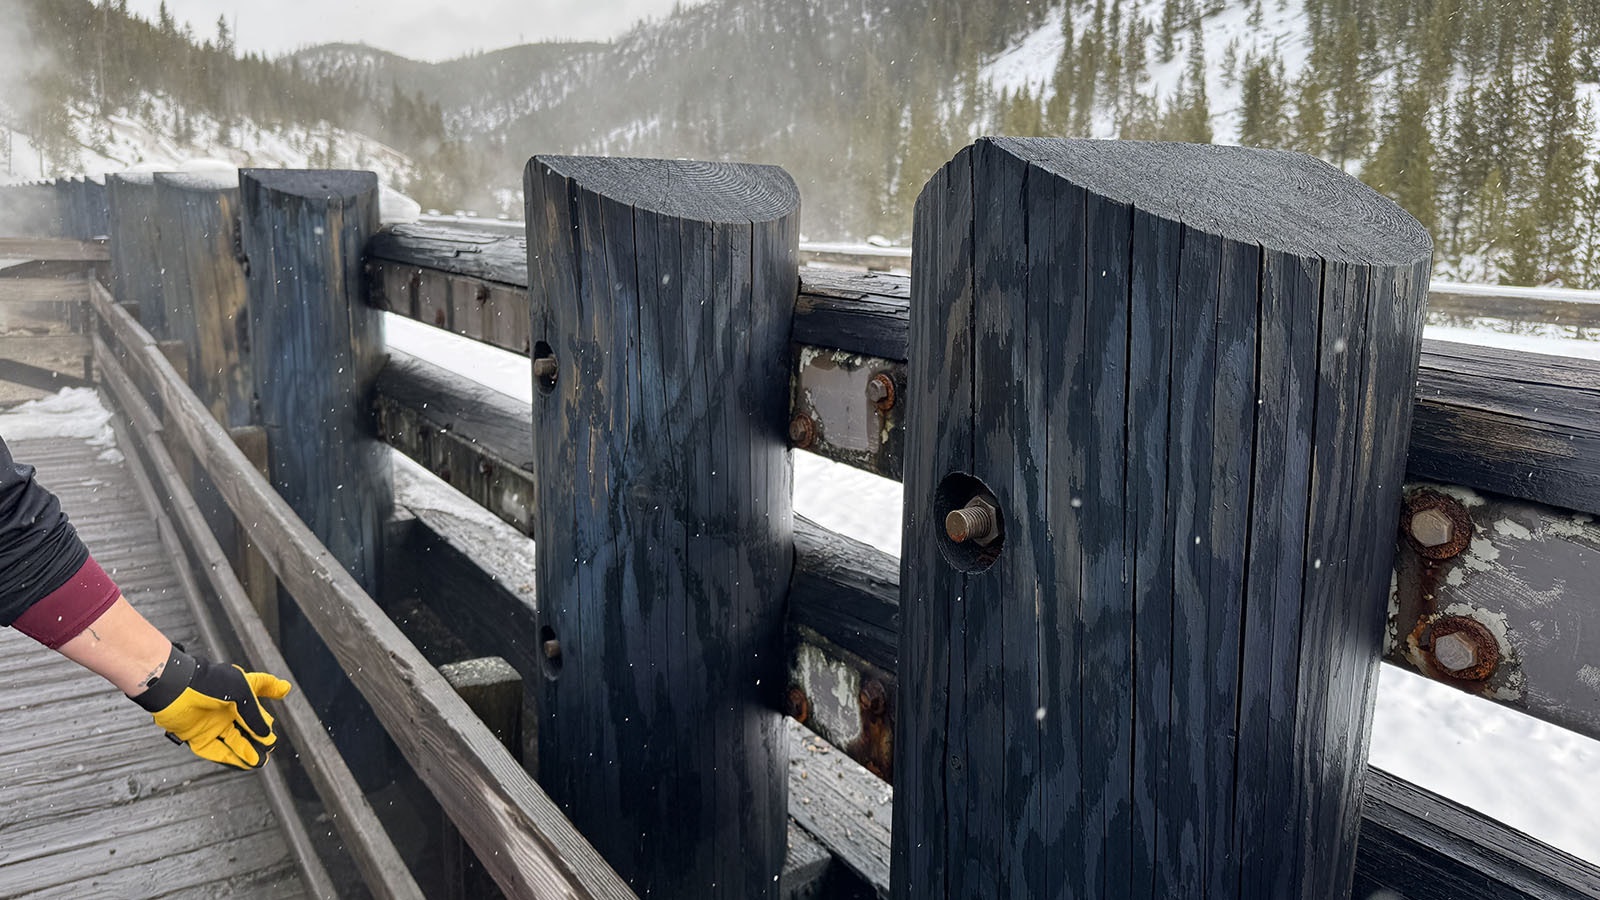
x=848 y=407
x=1500 y=598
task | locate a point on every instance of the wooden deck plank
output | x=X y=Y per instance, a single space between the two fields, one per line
x=93 y=802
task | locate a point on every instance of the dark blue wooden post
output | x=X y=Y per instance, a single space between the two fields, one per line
x=662 y=294
x=134 y=230
x=316 y=348
x=1179 y=377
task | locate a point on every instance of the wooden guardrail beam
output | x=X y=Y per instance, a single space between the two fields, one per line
x=53 y=250
x=528 y=845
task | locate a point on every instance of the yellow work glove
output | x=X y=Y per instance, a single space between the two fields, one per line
x=215 y=709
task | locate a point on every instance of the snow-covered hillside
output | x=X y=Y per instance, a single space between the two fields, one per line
x=151 y=137
x=1282 y=31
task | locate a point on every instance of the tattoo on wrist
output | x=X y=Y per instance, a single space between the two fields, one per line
x=95 y=634
x=153 y=676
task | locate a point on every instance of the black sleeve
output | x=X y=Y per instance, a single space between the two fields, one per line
x=39 y=550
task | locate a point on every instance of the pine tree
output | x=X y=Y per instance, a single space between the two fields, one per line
x=1349 y=132
x=1168 y=30
x=1188 y=117
x=1058 y=114
x=1561 y=125
x=1587 y=266
x=1262 y=102
x=1402 y=165
x=1310 y=119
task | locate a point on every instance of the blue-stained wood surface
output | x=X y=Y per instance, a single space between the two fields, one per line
x=664 y=290
x=135 y=229
x=930 y=766
x=1185 y=373
x=317 y=348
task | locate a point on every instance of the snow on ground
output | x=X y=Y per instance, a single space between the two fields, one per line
x=1524 y=772
x=144 y=138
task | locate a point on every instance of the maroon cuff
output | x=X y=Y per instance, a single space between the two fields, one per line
x=65 y=612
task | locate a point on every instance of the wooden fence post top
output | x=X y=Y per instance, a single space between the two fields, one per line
x=311 y=184
x=735 y=193
x=206 y=182
x=1282 y=200
x=131 y=177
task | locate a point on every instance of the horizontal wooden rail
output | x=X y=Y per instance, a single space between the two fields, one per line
x=529 y=847
x=53 y=250
x=842 y=642
x=844 y=600
x=380 y=864
x=1555 y=306
x=43 y=290
x=1482 y=413
x=140 y=434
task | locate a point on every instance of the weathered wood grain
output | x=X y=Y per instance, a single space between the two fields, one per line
x=1510 y=422
x=317 y=348
x=74 y=809
x=932 y=637
x=530 y=847
x=1039 y=788
x=43 y=290
x=368 y=844
x=52 y=250
x=135 y=232
x=474 y=438
x=664 y=292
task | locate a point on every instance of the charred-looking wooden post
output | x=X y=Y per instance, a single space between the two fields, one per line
x=661 y=299
x=205 y=290
x=135 y=229
x=316 y=350
x=1165 y=390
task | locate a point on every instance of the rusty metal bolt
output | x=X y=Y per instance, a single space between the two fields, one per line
x=1463 y=648
x=552 y=649
x=872 y=697
x=978 y=521
x=545 y=368
x=802 y=431
x=1436 y=526
x=1431 y=528
x=1455 y=652
x=880 y=391
x=799 y=705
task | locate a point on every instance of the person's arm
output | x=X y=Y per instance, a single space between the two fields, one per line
x=52 y=590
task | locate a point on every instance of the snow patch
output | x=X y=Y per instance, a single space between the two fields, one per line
x=71 y=413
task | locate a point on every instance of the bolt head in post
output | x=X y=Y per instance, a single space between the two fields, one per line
x=880 y=391
x=552 y=649
x=1431 y=528
x=1455 y=652
x=802 y=431
x=978 y=521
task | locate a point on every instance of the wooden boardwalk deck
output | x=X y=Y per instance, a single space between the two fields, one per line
x=93 y=801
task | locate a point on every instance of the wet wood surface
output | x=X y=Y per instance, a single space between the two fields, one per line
x=93 y=800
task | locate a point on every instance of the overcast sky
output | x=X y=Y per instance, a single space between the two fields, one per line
x=420 y=29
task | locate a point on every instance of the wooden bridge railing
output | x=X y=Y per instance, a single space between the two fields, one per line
x=175 y=395
x=598 y=228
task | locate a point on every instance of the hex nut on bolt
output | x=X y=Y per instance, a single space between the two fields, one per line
x=1436 y=526
x=1431 y=528
x=880 y=391
x=978 y=521
x=1455 y=652
x=545 y=368
x=552 y=649
x=1463 y=648
x=802 y=431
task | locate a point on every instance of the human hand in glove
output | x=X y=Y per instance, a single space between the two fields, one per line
x=215 y=708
